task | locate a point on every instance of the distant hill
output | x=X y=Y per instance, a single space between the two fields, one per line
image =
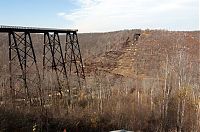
x=115 y=51
x=149 y=84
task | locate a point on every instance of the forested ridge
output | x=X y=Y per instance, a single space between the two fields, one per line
x=149 y=84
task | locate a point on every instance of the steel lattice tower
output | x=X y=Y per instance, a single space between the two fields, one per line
x=25 y=82
x=73 y=57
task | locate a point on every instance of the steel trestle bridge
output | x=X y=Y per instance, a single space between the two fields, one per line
x=25 y=76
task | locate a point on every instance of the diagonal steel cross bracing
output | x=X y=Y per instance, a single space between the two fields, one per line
x=53 y=58
x=25 y=82
x=73 y=57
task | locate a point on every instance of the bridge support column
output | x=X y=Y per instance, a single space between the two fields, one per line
x=53 y=59
x=24 y=72
x=73 y=58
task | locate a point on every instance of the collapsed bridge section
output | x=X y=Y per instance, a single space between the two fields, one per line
x=24 y=70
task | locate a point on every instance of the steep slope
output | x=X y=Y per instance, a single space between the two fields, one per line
x=145 y=57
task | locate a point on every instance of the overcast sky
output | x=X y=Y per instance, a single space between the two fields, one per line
x=102 y=15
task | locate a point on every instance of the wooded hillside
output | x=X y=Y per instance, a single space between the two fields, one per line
x=152 y=84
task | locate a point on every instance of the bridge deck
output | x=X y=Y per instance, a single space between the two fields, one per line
x=34 y=29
